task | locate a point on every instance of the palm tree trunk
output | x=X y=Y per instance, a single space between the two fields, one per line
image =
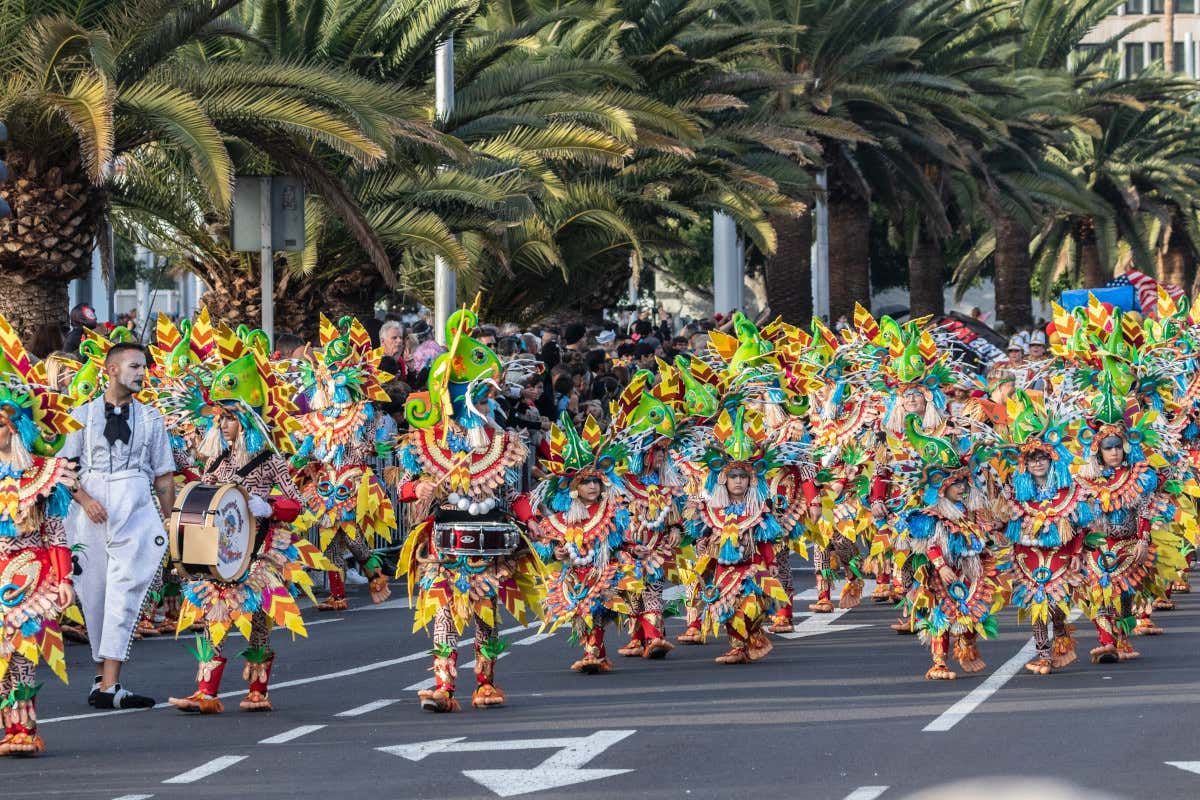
x=789 y=271
x=1014 y=272
x=849 y=251
x=47 y=241
x=926 y=275
x=1176 y=266
x=1092 y=273
x=1168 y=21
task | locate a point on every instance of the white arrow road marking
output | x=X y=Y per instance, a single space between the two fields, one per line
x=819 y=624
x=866 y=793
x=204 y=770
x=1189 y=766
x=294 y=733
x=564 y=768
x=429 y=683
x=959 y=711
x=134 y=797
x=367 y=708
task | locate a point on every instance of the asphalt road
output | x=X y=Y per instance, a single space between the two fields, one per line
x=840 y=712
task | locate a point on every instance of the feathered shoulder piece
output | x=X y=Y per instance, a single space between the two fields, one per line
x=40 y=415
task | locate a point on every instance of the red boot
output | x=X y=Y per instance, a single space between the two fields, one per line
x=337 y=593
x=20 y=723
x=652 y=631
x=208 y=686
x=259 y=661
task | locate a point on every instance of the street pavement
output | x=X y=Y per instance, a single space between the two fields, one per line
x=839 y=711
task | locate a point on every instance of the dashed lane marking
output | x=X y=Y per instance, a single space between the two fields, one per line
x=294 y=733
x=367 y=708
x=866 y=793
x=204 y=770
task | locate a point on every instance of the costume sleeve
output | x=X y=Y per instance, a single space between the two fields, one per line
x=521 y=508
x=283 y=479
x=408 y=491
x=162 y=460
x=811 y=492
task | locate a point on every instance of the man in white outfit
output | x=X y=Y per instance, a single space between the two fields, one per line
x=114 y=526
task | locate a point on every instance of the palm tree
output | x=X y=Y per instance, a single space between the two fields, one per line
x=91 y=86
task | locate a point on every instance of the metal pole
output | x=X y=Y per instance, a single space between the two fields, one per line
x=266 y=256
x=820 y=249
x=444 y=289
x=1189 y=54
x=145 y=260
x=725 y=267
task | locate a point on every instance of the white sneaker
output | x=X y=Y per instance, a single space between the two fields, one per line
x=354 y=577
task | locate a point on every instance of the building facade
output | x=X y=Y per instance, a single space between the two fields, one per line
x=1144 y=46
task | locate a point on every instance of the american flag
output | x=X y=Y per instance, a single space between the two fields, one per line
x=1146 y=289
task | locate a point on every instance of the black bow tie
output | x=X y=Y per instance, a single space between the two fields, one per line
x=116 y=423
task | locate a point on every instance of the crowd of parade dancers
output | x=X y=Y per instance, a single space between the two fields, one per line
x=1058 y=484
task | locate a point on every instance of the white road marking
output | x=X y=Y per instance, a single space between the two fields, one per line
x=817 y=624
x=384 y=606
x=294 y=733
x=329 y=676
x=866 y=793
x=537 y=637
x=367 y=708
x=429 y=683
x=563 y=768
x=959 y=711
x=204 y=770
x=1188 y=766
x=134 y=797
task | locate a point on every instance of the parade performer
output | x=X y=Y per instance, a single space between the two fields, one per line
x=463 y=477
x=584 y=526
x=736 y=530
x=248 y=425
x=955 y=578
x=1048 y=514
x=35 y=562
x=117 y=529
x=337 y=439
x=654 y=493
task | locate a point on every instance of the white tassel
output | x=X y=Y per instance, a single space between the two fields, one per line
x=212 y=445
x=477 y=438
x=18 y=456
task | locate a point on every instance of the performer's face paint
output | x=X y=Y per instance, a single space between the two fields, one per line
x=589 y=490
x=914 y=402
x=128 y=370
x=737 y=483
x=1112 y=451
x=955 y=491
x=231 y=428
x=1039 y=464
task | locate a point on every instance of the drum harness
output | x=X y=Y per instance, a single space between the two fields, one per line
x=260 y=533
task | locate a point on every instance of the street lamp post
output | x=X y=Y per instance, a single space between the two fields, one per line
x=444 y=290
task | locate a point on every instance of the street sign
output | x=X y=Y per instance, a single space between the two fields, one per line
x=564 y=768
x=286 y=227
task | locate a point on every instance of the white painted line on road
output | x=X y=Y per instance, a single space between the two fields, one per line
x=134 y=797
x=384 y=606
x=537 y=637
x=294 y=733
x=204 y=770
x=866 y=793
x=329 y=676
x=374 y=705
x=959 y=711
x=1187 y=766
x=429 y=683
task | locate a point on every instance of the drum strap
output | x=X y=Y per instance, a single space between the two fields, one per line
x=250 y=466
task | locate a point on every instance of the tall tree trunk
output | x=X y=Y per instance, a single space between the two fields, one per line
x=789 y=271
x=1014 y=273
x=1092 y=273
x=926 y=276
x=849 y=251
x=47 y=241
x=1168 y=23
x=1176 y=266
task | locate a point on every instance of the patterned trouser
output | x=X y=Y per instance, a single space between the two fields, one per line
x=1106 y=620
x=20 y=670
x=646 y=611
x=340 y=543
x=783 y=570
x=1041 y=631
x=260 y=632
x=845 y=549
x=444 y=631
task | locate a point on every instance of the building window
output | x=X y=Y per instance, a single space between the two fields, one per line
x=1135 y=7
x=1156 y=6
x=1185 y=6
x=1135 y=59
x=1156 y=54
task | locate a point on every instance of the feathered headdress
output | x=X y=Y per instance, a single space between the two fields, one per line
x=1038 y=426
x=38 y=415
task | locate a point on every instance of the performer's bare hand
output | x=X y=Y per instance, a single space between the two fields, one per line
x=95 y=512
x=878 y=509
x=424 y=490
x=66 y=594
x=947 y=575
x=1075 y=564
x=1141 y=551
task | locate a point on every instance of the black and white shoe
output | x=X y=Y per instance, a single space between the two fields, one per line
x=116 y=697
x=95 y=691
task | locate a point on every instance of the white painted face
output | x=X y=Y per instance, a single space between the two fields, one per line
x=127 y=369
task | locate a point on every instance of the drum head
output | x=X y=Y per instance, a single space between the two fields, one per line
x=231 y=517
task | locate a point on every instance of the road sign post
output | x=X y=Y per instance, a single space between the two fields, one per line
x=267 y=217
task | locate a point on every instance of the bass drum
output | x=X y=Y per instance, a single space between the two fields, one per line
x=212 y=532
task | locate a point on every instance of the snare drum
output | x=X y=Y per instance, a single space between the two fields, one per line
x=212 y=532
x=476 y=538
